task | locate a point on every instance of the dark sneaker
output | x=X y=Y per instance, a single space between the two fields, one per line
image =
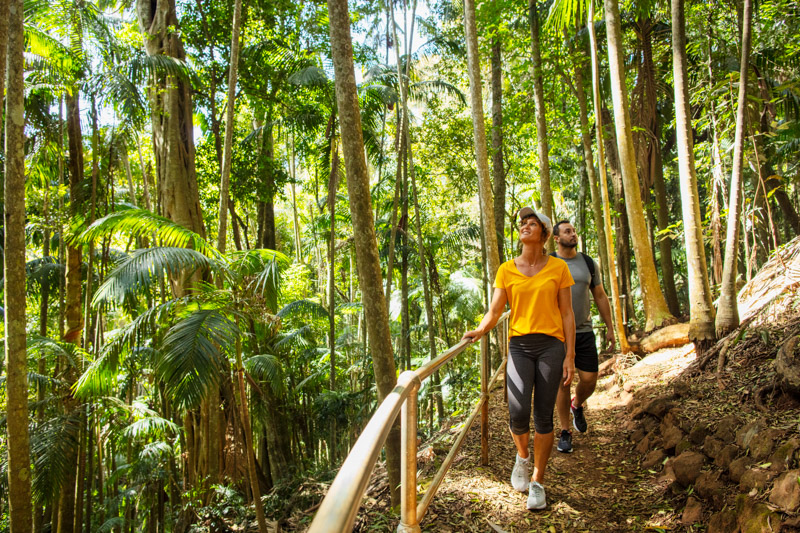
x=578 y=420
x=536 y=500
x=565 y=442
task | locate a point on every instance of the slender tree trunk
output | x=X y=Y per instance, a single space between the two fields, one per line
x=498 y=172
x=541 y=116
x=405 y=317
x=368 y=261
x=601 y=165
x=333 y=185
x=479 y=136
x=655 y=306
x=248 y=438
x=73 y=308
x=426 y=285
x=233 y=70
x=19 y=459
x=728 y=309
x=662 y=216
x=701 y=325
x=586 y=142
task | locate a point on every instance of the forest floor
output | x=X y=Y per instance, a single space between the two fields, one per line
x=598 y=487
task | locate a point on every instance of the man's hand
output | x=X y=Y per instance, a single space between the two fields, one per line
x=569 y=369
x=472 y=336
x=610 y=340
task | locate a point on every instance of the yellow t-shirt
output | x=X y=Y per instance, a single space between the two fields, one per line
x=534 y=300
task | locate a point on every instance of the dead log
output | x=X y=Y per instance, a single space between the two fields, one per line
x=668 y=337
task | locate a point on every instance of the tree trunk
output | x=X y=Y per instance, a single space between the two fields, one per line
x=366 y=246
x=73 y=308
x=426 y=282
x=647 y=141
x=601 y=165
x=333 y=185
x=586 y=142
x=248 y=440
x=541 y=118
x=498 y=172
x=479 y=136
x=728 y=309
x=623 y=240
x=655 y=306
x=701 y=325
x=405 y=319
x=171 y=104
x=19 y=459
x=229 y=127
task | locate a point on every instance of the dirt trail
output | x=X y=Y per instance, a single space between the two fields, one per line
x=598 y=487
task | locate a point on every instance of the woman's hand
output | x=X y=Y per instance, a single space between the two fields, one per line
x=569 y=369
x=472 y=336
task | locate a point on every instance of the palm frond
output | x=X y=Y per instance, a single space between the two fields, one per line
x=303 y=307
x=311 y=76
x=299 y=337
x=424 y=89
x=143 y=66
x=144 y=223
x=151 y=426
x=43 y=271
x=52 y=444
x=190 y=360
x=146 y=267
x=266 y=367
x=456 y=240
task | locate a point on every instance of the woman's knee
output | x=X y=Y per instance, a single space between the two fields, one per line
x=543 y=424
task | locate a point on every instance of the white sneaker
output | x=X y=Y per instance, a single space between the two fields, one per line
x=520 y=475
x=536 y=497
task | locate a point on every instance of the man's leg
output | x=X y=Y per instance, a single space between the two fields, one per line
x=586 y=365
x=585 y=388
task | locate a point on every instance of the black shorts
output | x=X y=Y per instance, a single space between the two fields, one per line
x=586 y=358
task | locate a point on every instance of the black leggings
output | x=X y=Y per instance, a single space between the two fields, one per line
x=535 y=365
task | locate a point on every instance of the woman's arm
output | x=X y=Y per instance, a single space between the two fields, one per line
x=568 y=321
x=490 y=319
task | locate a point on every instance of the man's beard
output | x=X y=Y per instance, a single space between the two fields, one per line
x=566 y=244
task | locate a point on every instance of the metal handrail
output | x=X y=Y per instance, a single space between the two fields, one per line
x=338 y=509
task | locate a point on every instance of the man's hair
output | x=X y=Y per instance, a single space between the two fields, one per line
x=555 y=228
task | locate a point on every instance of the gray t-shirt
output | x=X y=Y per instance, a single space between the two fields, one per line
x=581 y=304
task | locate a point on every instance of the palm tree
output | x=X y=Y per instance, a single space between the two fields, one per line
x=655 y=306
x=701 y=326
x=369 y=267
x=19 y=461
x=190 y=356
x=727 y=308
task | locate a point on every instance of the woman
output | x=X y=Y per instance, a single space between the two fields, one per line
x=541 y=345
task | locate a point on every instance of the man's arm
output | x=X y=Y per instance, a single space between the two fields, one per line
x=603 y=305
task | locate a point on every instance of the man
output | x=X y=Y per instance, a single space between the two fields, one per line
x=587 y=276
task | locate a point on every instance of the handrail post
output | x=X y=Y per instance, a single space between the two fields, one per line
x=409 y=523
x=484 y=400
